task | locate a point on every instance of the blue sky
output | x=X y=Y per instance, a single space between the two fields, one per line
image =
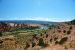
x=45 y=10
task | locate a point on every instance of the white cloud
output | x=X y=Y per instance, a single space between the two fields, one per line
x=38 y=18
x=48 y=19
x=44 y=19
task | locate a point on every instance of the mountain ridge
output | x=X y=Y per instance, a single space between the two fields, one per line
x=28 y=21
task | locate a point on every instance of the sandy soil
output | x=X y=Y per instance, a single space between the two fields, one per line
x=57 y=47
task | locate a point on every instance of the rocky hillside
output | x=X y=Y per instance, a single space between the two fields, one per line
x=6 y=26
x=58 y=37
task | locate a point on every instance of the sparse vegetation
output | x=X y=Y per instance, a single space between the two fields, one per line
x=46 y=35
x=50 y=40
x=68 y=32
x=1 y=34
x=63 y=40
x=59 y=31
x=64 y=31
x=33 y=44
x=55 y=38
x=31 y=37
x=41 y=43
x=56 y=42
x=58 y=27
x=1 y=43
x=27 y=45
x=70 y=28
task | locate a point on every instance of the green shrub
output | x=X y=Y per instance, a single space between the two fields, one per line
x=56 y=42
x=1 y=43
x=41 y=43
x=70 y=28
x=33 y=44
x=64 y=31
x=59 y=31
x=68 y=32
x=63 y=40
x=55 y=38
x=58 y=27
x=41 y=34
x=1 y=34
x=27 y=45
x=50 y=40
x=46 y=35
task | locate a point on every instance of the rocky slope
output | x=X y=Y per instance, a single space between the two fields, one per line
x=58 y=37
x=6 y=26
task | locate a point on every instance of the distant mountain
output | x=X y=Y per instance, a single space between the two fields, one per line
x=73 y=22
x=28 y=21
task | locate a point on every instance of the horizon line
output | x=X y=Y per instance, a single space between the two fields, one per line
x=34 y=20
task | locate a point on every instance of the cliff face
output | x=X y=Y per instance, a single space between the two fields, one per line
x=7 y=26
x=4 y=27
x=12 y=26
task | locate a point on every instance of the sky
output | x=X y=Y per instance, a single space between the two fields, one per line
x=44 y=10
